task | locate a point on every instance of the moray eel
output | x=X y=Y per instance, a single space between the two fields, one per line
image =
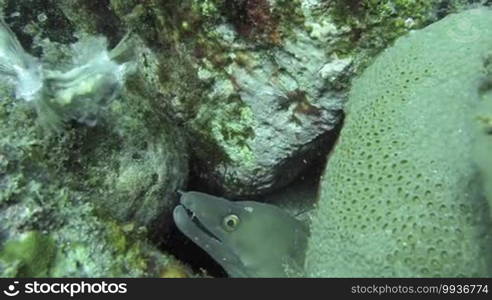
x=247 y=238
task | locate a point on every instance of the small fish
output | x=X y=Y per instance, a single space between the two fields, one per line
x=247 y=238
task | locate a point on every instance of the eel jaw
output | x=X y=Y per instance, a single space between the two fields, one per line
x=191 y=216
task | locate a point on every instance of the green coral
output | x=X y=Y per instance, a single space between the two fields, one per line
x=27 y=158
x=402 y=194
x=32 y=254
x=373 y=25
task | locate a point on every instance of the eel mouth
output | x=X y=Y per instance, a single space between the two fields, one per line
x=193 y=220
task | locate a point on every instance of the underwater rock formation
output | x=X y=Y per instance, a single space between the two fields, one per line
x=229 y=73
x=259 y=84
x=272 y=92
x=80 y=93
x=256 y=87
x=402 y=194
x=146 y=167
x=247 y=238
x=97 y=193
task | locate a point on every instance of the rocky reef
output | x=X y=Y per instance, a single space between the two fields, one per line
x=238 y=98
x=403 y=194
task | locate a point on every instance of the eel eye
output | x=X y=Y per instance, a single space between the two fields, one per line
x=230 y=222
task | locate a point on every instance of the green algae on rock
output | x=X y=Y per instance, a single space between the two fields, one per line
x=373 y=25
x=83 y=185
x=483 y=144
x=250 y=80
x=225 y=67
x=29 y=256
x=401 y=194
x=89 y=246
x=223 y=71
x=247 y=238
